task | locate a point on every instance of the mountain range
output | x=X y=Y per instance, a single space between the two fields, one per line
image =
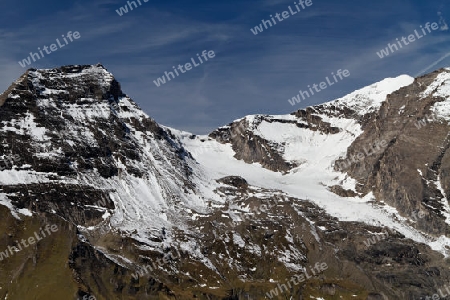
x=343 y=200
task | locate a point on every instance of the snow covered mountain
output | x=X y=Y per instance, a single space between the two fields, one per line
x=358 y=185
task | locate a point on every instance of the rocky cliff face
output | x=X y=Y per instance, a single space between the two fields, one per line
x=411 y=174
x=344 y=200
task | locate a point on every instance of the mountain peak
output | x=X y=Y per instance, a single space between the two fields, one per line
x=370 y=98
x=66 y=83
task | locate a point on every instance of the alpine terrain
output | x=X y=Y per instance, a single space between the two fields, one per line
x=344 y=200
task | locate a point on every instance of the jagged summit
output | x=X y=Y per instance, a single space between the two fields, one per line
x=74 y=125
x=71 y=68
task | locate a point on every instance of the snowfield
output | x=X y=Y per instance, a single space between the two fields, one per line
x=315 y=153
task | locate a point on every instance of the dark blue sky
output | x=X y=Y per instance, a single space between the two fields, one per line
x=249 y=74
